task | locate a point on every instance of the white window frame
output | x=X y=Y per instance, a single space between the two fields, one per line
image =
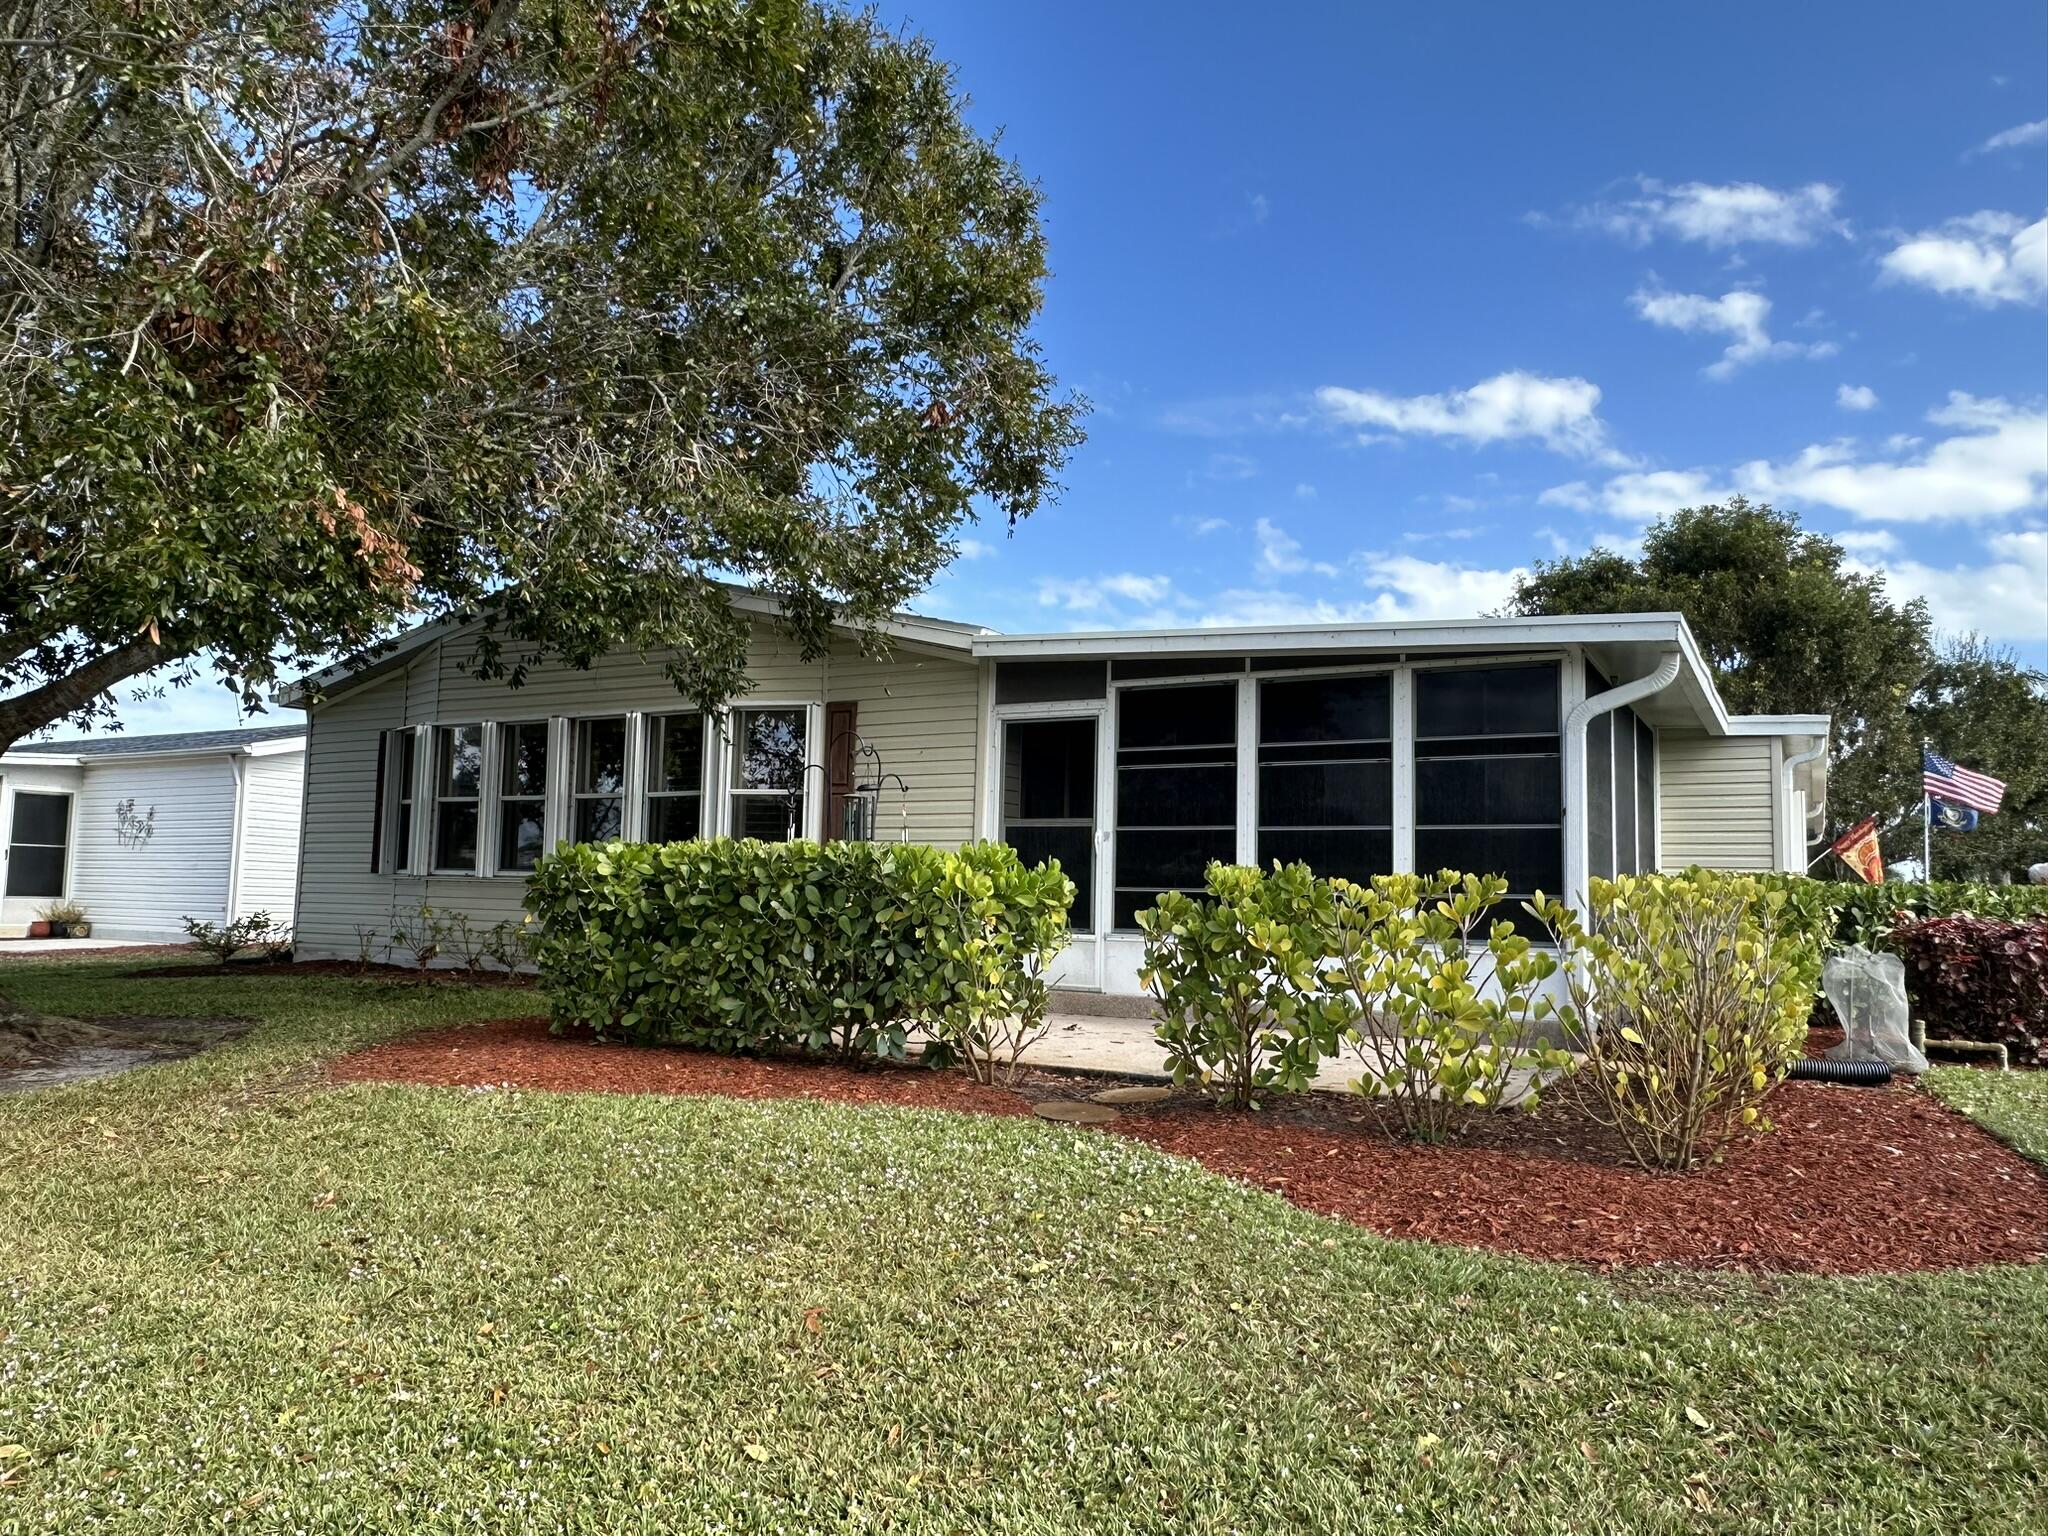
x=572 y=770
x=812 y=822
x=434 y=798
x=707 y=762
x=500 y=741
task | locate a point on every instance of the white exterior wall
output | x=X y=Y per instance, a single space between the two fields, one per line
x=1717 y=800
x=146 y=891
x=56 y=778
x=267 y=863
x=920 y=712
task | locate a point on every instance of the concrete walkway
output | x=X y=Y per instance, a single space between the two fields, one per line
x=1087 y=1042
x=72 y=946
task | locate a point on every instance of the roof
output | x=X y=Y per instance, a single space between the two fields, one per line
x=1629 y=644
x=163 y=744
x=913 y=630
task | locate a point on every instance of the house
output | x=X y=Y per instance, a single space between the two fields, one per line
x=1545 y=749
x=145 y=831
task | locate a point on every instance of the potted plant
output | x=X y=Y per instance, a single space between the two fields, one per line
x=63 y=920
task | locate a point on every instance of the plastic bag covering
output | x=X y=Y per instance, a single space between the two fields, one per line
x=1868 y=994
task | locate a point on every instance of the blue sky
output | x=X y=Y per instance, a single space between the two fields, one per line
x=1377 y=305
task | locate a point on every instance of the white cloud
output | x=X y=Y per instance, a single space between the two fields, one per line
x=1304 y=492
x=1705 y=213
x=1561 y=413
x=1092 y=595
x=1639 y=496
x=974 y=549
x=1230 y=466
x=2015 y=138
x=2005 y=599
x=1280 y=552
x=1988 y=258
x=1410 y=588
x=1208 y=525
x=1740 y=315
x=1994 y=464
x=1856 y=397
x=1867 y=541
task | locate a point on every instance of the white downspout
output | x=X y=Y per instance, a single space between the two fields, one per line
x=235 y=764
x=1575 y=841
x=1797 y=856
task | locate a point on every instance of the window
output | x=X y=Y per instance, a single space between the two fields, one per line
x=522 y=793
x=408 y=781
x=1176 y=790
x=1488 y=782
x=1049 y=802
x=458 y=782
x=37 y=844
x=1326 y=774
x=675 y=778
x=770 y=754
x=599 y=792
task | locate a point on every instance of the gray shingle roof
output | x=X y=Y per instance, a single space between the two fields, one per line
x=172 y=741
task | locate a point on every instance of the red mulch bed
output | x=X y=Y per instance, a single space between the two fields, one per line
x=520 y=1053
x=1853 y=1181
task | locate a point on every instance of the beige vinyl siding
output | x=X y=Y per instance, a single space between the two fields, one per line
x=268 y=875
x=148 y=890
x=920 y=712
x=1715 y=799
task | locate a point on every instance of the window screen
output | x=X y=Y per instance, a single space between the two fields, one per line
x=675 y=778
x=1646 y=798
x=1488 y=782
x=598 y=792
x=1326 y=774
x=522 y=793
x=37 y=843
x=1600 y=821
x=1176 y=790
x=458 y=782
x=1049 y=802
x=770 y=750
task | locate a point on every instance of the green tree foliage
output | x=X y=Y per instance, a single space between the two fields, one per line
x=322 y=317
x=1789 y=628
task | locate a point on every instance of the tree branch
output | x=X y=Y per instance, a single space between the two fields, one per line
x=64 y=695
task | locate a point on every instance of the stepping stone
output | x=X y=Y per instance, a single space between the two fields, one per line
x=1073 y=1112
x=1130 y=1096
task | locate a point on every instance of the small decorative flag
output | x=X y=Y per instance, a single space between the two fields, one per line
x=1858 y=849
x=1954 y=818
x=1943 y=780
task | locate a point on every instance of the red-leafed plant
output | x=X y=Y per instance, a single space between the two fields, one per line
x=1979 y=978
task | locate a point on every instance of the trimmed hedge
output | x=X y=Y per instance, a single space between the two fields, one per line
x=1867 y=914
x=1980 y=978
x=747 y=946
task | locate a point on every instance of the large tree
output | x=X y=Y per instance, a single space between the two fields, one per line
x=1978 y=706
x=1786 y=626
x=320 y=316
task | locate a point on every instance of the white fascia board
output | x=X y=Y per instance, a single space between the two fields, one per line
x=1779 y=725
x=1402 y=635
x=39 y=760
x=277 y=748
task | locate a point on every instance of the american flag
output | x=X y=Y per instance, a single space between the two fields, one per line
x=1943 y=780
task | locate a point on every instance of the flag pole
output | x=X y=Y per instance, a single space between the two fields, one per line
x=1926 y=820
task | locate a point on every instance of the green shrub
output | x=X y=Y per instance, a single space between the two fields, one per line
x=1237 y=977
x=224 y=941
x=1869 y=914
x=1689 y=995
x=745 y=946
x=993 y=930
x=1440 y=1019
x=1980 y=978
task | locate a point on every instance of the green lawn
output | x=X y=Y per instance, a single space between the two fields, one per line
x=230 y=1298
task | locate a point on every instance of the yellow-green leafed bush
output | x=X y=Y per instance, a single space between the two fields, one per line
x=1442 y=1013
x=1237 y=973
x=1689 y=994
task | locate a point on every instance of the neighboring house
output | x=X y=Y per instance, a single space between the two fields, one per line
x=145 y=831
x=1544 y=749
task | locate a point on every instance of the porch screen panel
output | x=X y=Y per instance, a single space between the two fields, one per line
x=1176 y=790
x=1049 y=802
x=1326 y=774
x=1489 y=795
x=1600 y=822
x=1625 y=862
